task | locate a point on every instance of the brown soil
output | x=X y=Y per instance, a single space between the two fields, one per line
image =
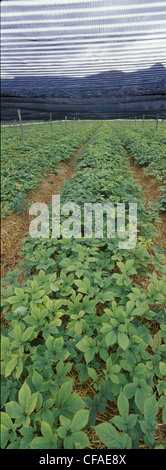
x=14 y=228
x=152 y=193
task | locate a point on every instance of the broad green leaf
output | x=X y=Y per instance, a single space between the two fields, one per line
x=14 y=445
x=13 y=299
x=65 y=422
x=5 y=346
x=39 y=401
x=140 y=397
x=114 y=378
x=64 y=393
x=17 y=333
x=150 y=409
x=164 y=415
x=80 y=420
x=39 y=294
x=110 y=338
x=19 y=292
x=35 y=312
x=123 y=340
x=24 y=395
x=119 y=423
x=127 y=442
x=140 y=369
x=92 y=374
x=136 y=339
x=68 y=442
x=149 y=438
x=109 y=436
x=83 y=345
x=162 y=367
x=121 y=266
x=115 y=369
x=10 y=366
x=37 y=379
x=129 y=264
x=129 y=306
x=131 y=421
x=49 y=342
x=130 y=389
x=108 y=295
x=32 y=403
x=82 y=287
x=48 y=417
x=74 y=403
x=27 y=334
x=34 y=284
x=13 y=409
x=19 y=368
x=62 y=432
x=26 y=421
x=46 y=431
x=5 y=436
x=123 y=406
x=109 y=364
x=89 y=355
x=39 y=443
x=6 y=420
x=58 y=344
x=80 y=440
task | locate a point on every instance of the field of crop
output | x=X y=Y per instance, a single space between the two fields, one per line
x=83 y=331
x=24 y=163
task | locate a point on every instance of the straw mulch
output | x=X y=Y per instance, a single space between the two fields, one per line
x=15 y=228
x=152 y=192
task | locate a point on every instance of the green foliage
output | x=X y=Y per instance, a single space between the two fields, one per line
x=80 y=311
x=25 y=163
x=148 y=150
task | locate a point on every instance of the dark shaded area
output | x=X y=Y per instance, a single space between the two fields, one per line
x=107 y=95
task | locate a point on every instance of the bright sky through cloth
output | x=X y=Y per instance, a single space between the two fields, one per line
x=79 y=38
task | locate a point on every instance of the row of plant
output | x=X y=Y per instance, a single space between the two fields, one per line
x=82 y=315
x=159 y=135
x=148 y=149
x=25 y=163
x=148 y=129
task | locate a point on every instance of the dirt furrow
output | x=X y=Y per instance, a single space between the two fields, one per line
x=152 y=192
x=15 y=228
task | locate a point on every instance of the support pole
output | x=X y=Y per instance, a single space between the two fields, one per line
x=157 y=121
x=51 y=121
x=22 y=132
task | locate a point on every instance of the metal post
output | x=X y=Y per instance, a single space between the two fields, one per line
x=22 y=132
x=157 y=121
x=51 y=121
